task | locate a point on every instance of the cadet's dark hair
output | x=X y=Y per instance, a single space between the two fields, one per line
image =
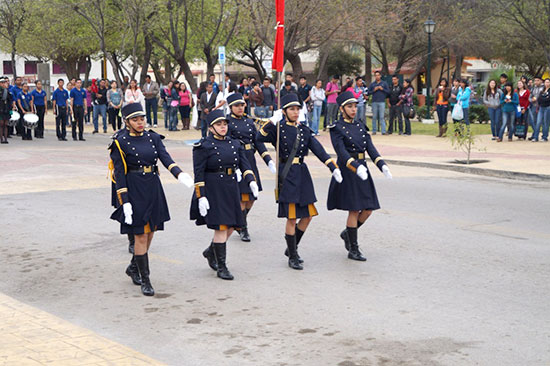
x=58 y=80
x=211 y=75
x=503 y=75
x=303 y=77
x=79 y=79
x=288 y=83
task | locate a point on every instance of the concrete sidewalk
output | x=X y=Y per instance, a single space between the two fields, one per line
x=520 y=158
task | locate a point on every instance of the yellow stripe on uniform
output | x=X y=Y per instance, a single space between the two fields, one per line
x=291 y=211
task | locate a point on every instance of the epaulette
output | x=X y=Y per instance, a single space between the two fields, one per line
x=162 y=137
x=331 y=126
x=198 y=143
x=113 y=138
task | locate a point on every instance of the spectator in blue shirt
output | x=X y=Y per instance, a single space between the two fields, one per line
x=215 y=86
x=80 y=108
x=38 y=98
x=379 y=90
x=59 y=100
x=509 y=102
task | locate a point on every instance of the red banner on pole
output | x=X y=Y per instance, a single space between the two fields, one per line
x=278 y=51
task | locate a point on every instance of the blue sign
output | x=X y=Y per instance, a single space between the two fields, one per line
x=221 y=54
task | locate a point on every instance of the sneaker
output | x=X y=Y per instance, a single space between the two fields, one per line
x=95 y=131
x=155 y=126
x=494 y=138
x=533 y=140
x=544 y=140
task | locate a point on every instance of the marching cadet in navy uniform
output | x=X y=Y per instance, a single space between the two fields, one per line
x=356 y=194
x=296 y=196
x=216 y=200
x=243 y=129
x=142 y=206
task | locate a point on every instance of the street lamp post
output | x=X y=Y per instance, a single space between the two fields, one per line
x=429 y=27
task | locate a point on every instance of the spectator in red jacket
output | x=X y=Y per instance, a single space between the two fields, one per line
x=522 y=121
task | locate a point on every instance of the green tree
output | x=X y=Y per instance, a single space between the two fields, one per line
x=69 y=38
x=13 y=14
x=342 y=62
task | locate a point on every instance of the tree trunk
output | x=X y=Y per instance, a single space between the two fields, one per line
x=324 y=52
x=13 y=65
x=70 y=66
x=146 y=59
x=114 y=65
x=88 y=68
x=458 y=66
x=368 y=61
x=210 y=60
x=296 y=63
x=184 y=65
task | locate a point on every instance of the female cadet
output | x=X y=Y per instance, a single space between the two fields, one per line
x=142 y=205
x=296 y=196
x=216 y=200
x=243 y=129
x=356 y=194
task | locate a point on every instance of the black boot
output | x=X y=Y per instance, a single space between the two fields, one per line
x=243 y=233
x=299 y=234
x=354 y=252
x=133 y=272
x=210 y=257
x=293 y=260
x=220 y=253
x=143 y=266
x=131 y=243
x=344 y=236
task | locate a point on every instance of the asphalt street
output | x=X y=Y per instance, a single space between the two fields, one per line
x=457 y=273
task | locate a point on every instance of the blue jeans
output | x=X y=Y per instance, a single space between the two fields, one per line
x=316 y=118
x=543 y=120
x=173 y=118
x=360 y=116
x=152 y=105
x=508 y=119
x=204 y=127
x=466 y=119
x=100 y=109
x=494 y=116
x=533 y=117
x=166 y=111
x=442 y=111
x=378 y=116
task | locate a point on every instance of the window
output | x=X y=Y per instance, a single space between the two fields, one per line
x=57 y=69
x=31 y=68
x=8 y=70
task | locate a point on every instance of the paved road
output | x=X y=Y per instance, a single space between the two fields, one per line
x=457 y=270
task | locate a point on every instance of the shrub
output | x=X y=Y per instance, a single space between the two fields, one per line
x=479 y=113
x=421 y=112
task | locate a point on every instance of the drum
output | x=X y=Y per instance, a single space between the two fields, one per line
x=30 y=120
x=14 y=119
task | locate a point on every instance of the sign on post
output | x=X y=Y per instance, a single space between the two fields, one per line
x=267 y=65
x=221 y=55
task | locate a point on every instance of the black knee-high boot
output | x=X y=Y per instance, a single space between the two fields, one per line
x=131 y=243
x=293 y=259
x=143 y=266
x=243 y=233
x=208 y=253
x=220 y=252
x=354 y=252
x=345 y=237
x=133 y=272
x=299 y=234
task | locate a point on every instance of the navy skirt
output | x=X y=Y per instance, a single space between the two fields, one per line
x=353 y=194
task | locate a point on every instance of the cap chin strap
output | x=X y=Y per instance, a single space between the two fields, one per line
x=288 y=119
x=216 y=132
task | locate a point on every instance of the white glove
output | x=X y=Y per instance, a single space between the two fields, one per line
x=271 y=166
x=362 y=172
x=277 y=116
x=185 y=179
x=239 y=175
x=386 y=171
x=204 y=206
x=254 y=188
x=127 y=208
x=337 y=175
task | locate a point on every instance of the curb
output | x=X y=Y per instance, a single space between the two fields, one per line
x=477 y=171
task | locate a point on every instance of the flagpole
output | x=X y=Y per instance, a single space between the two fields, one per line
x=277 y=144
